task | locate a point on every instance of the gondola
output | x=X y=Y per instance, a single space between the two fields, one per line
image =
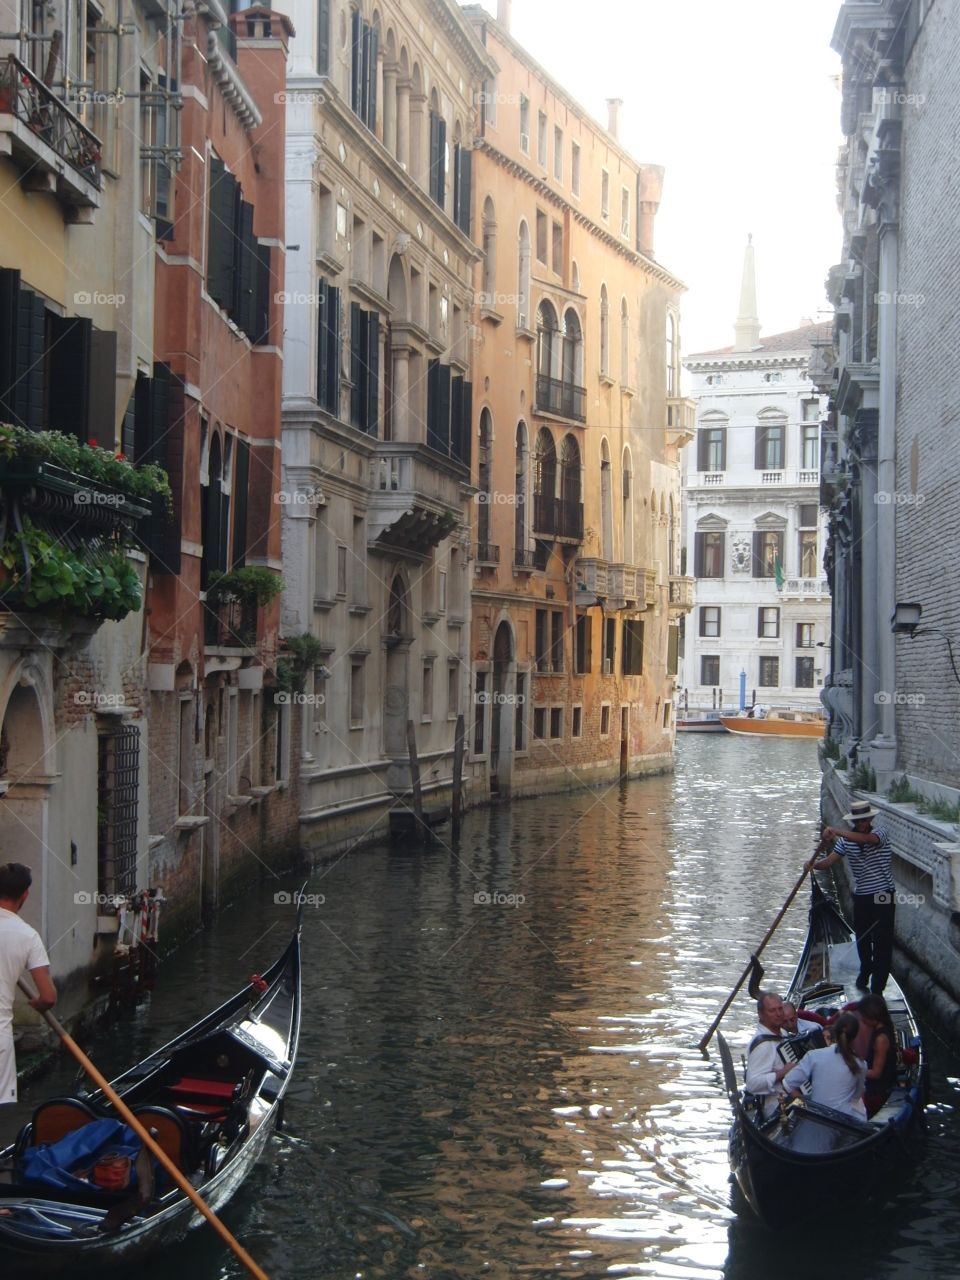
x=211 y=1098
x=809 y=1162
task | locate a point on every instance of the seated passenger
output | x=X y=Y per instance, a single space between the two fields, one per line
x=880 y=1051
x=836 y=1075
x=795 y=1025
x=765 y=1070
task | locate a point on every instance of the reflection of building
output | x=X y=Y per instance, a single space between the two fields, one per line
x=753 y=534
x=892 y=462
x=575 y=581
x=377 y=396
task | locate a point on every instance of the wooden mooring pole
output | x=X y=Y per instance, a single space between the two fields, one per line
x=457 y=798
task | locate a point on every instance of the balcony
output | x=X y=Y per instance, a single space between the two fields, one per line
x=773 y=477
x=563 y=399
x=623 y=584
x=56 y=151
x=681 y=595
x=523 y=561
x=569 y=520
x=488 y=555
x=230 y=624
x=592 y=581
x=681 y=421
x=415 y=499
x=544 y=515
x=806 y=589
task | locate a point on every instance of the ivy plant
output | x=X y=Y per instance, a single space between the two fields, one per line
x=38 y=572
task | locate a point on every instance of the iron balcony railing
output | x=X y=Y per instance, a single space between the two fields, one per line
x=28 y=99
x=522 y=559
x=230 y=624
x=565 y=399
x=488 y=553
x=557 y=517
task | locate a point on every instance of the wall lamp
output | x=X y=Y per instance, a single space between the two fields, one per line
x=906 y=621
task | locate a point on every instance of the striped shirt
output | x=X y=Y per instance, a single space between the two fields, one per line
x=870 y=863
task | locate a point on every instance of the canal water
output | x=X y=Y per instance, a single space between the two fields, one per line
x=498 y=1073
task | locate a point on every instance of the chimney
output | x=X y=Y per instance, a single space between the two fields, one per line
x=649 y=190
x=613 y=116
x=503 y=13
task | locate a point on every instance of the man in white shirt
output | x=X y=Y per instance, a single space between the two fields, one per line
x=21 y=949
x=765 y=1070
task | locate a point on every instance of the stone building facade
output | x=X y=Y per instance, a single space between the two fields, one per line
x=891 y=463
x=577 y=424
x=754 y=534
x=377 y=398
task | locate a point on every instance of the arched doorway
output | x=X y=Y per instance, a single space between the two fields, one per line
x=502 y=710
x=396 y=692
x=24 y=769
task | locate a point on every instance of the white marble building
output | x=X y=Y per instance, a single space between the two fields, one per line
x=753 y=532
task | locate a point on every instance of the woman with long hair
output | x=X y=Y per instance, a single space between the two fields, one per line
x=880 y=1052
x=835 y=1074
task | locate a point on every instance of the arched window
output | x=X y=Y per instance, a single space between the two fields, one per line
x=544 y=483
x=629 y=551
x=520 y=495
x=606 y=504
x=523 y=277
x=489 y=298
x=574 y=276
x=483 y=484
x=548 y=342
x=571 y=510
x=671 y=355
x=625 y=380
x=604 y=332
x=572 y=349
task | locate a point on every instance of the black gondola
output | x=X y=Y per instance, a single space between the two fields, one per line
x=808 y=1159
x=211 y=1098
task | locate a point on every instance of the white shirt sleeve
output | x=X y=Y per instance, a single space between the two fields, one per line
x=36 y=955
x=761 y=1067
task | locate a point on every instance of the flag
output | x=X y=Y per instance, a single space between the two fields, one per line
x=778 y=573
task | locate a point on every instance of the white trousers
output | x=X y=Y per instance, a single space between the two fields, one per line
x=8 y=1068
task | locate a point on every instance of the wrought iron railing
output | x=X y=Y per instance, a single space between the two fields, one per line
x=569 y=519
x=565 y=399
x=488 y=553
x=230 y=624
x=523 y=559
x=28 y=99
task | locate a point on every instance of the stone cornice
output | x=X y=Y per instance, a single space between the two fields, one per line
x=546 y=192
x=453 y=20
x=740 y=361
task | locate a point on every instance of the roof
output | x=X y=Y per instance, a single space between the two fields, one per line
x=802 y=339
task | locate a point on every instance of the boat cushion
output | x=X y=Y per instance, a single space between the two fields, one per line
x=62 y=1164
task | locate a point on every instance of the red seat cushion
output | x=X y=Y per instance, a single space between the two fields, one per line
x=195 y=1085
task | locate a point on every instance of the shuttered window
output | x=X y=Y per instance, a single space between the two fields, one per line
x=158 y=432
x=68 y=379
x=438 y=158
x=328 y=347
x=22 y=343
x=632 y=647
x=323 y=37
x=438 y=406
x=708 y=555
x=767 y=552
x=238 y=266
x=769 y=447
x=363 y=70
x=712 y=449
x=462 y=184
x=364 y=368
x=241 y=481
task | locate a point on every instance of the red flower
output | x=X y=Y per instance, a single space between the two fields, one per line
x=92 y=442
x=120 y=457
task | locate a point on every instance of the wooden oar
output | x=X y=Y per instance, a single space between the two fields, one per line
x=146 y=1138
x=702 y=1046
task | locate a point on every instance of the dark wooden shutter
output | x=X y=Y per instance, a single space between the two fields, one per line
x=760 y=621
x=673 y=650
x=221 y=234
x=758 y=554
x=261 y=294
x=241 y=480
x=698 y=555
x=702 y=451
x=102 y=410
x=245 y=275
x=356 y=60
x=462 y=173
x=323 y=37
x=433 y=382
x=22 y=347
x=9 y=326
x=441 y=159
x=357 y=332
x=466 y=435
x=128 y=428
x=434 y=146
x=760 y=449
x=456 y=415
x=333 y=351
x=370 y=49
x=69 y=388
x=159 y=431
x=322 y=341
x=372 y=414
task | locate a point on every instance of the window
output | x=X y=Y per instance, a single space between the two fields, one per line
x=558 y=153
x=769 y=673
x=807 y=540
x=710 y=669
x=804 y=673
x=767 y=553
x=323 y=38
x=768 y=450
x=624 y=212
x=462 y=186
x=524 y=125
x=605 y=720
x=576 y=727
x=449 y=412
x=364 y=368
x=118 y=777
x=523 y=276
x=632 y=648
x=708 y=555
x=238 y=267
x=489 y=268
x=672 y=381
x=805 y=635
x=426 y=690
x=556 y=640
x=556 y=722
x=810 y=446
x=712 y=449
x=363 y=70
x=673 y=650
x=489 y=102
x=575 y=172
x=609 y=645
x=341 y=571
x=438 y=159
x=625 y=379
x=539 y=722
x=541 y=237
x=541 y=139
x=604 y=333
x=519 y=719
x=356 y=693
x=442 y=591
x=714 y=380
x=768 y=623
x=605 y=195
x=328 y=347
x=583 y=643
x=709 y=620
x=666 y=715
x=479 y=705
x=342 y=220
x=558 y=248
x=541 y=649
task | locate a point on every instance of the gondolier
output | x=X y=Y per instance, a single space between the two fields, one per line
x=21 y=948
x=869 y=855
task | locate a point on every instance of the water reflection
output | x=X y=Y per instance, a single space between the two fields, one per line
x=498 y=1071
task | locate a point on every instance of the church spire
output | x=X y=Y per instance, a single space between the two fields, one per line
x=747 y=328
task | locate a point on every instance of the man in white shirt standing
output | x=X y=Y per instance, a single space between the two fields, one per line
x=21 y=948
x=765 y=1070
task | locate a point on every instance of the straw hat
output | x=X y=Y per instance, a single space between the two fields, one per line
x=860 y=810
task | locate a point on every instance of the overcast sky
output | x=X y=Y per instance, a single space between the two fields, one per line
x=740 y=103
